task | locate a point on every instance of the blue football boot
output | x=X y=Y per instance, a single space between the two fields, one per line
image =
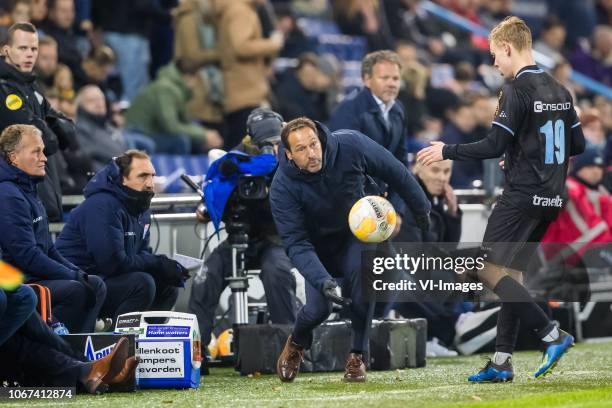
x=494 y=373
x=553 y=353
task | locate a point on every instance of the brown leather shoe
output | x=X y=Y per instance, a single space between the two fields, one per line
x=355 y=370
x=288 y=364
x=127 y=372
x=108 y=367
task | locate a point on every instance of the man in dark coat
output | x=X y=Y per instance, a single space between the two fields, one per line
x=108 y=235
x=264 y=250
x=320 y=176
x=25 y=241
x=375 y=111
x=22 y=103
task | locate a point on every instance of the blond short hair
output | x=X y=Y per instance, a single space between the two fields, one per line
x=11 y=138
x=514 y=31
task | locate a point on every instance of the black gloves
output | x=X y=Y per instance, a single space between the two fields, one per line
x=422 y=221
x=83 y=279
x=170 y=271
x=329 y=291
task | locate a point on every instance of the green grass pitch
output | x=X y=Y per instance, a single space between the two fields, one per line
x=582 y=379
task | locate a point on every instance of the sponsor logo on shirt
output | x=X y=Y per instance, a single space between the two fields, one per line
x=37 y=219
x=547 y=202
x=130 y=234
x=539 y=106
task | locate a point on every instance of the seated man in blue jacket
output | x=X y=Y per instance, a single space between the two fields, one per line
x=108 y=235
x=25 y=241
x=320 y=176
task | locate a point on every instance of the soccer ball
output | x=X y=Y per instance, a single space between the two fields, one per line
x=372 y=219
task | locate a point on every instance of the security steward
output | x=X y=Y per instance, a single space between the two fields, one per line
x=22 y=103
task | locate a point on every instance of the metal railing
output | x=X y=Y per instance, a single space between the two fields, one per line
x=160 y=200
x=542 y=59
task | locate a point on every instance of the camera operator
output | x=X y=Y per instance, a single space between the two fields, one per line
x=264 y=248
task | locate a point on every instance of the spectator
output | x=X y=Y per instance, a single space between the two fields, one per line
x=68 y=161
x=562 y=73
x=587 y=216
x=28 y=106
x=99 y=138
x=552 y=39
x=408 y=23
x=593 y=129
x=39 y=11
x=192 y=18
x=126 y=26
x=160 y=111
x=445 y=227
x=97 y=67
x=63 y=82
x=302 y=91
x=579 y=17
x=20 y=11
x=108 y=235
x=595 y=61
x=59 y=26
x=414 y=83
x=604 y=12
x=366 y=18
x=296 y=42
x=460 y=129
x=46 y=64
x=375 y=112
x=26 y=242
x=243 y=50
x=445 y=212
x=483 y=109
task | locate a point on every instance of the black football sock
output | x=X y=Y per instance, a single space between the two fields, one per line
x=522 y=305
x=507 y=329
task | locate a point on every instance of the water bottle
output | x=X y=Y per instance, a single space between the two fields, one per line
x=59 y=329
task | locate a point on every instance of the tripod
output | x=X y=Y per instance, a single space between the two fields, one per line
x=238 y=239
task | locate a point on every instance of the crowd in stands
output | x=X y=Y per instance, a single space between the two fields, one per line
x=182 y=77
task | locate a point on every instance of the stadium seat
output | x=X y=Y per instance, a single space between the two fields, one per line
x=170 y=167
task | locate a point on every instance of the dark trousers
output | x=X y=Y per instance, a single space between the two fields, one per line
x=276 y=276
x=317 y=308
x=508 y=230
x=36 y=356
x=69 y=302
x=235 y=127
x=136 y=292
x=15 y=308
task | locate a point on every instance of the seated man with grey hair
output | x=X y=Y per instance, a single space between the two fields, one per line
x=25 y=241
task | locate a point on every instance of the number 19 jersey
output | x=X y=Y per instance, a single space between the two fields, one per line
x=540 y=115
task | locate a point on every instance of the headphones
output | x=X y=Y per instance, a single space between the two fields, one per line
x=259 y=114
